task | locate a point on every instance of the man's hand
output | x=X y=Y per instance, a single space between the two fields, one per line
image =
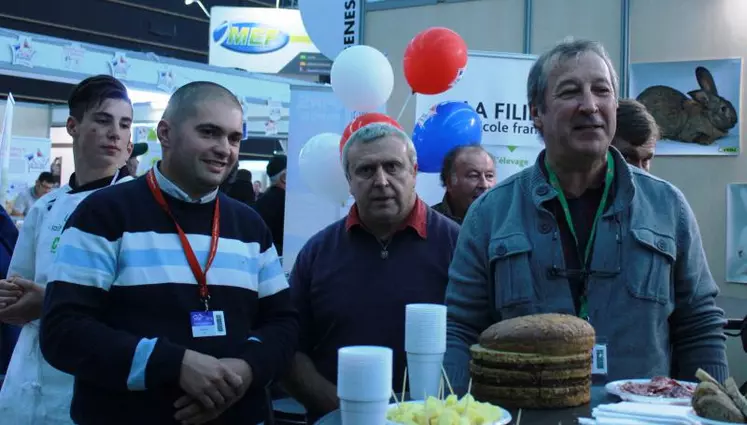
x=21 y=301
x=207 y=380
x=191 y=412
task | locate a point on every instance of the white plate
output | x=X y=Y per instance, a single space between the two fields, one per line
x=703 y=421
x=505 y=418
x=614 y=389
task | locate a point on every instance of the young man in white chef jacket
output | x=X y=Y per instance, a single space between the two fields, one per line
x=100 y=124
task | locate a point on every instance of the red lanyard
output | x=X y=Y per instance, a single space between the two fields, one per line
x=200 y=276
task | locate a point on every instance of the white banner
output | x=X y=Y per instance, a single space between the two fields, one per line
x=27 y=158
x=266 y=40
x=5 y=134
x=333 y=25
x=495 y=85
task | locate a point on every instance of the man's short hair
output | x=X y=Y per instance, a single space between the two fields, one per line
x=186 y=97
x=47 y=177
x=569 y=48
x=92 y=92
x=373 y=132
x=447 y=169
x=635 y=124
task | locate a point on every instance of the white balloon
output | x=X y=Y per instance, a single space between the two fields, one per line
x=332 y=25
x=362 y=78
x=321 y=168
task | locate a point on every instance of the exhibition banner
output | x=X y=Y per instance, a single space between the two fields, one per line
x=494 y=84
x=266 y=40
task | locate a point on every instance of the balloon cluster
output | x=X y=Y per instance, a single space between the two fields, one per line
x=363 y=79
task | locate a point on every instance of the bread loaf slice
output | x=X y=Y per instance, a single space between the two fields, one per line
x=718 y=407
x=732 y=390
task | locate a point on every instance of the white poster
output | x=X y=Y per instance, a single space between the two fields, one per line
x=266 y=40
x=494 y=84
x=736 y=232
x=5 y=134
x=28 y=157
x=333 y=25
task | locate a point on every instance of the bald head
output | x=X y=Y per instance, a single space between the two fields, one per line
x=183 y=103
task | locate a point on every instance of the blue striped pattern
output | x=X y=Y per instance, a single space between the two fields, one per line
x=136 y=378
x=85 y=259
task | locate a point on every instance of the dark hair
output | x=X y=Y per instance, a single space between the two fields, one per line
x=47 y=177
x=92 y=92
x=447 y=169
x=185 y=98
x=635 y=124
x=244 y=175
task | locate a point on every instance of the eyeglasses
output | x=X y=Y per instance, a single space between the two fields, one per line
x=556 y=272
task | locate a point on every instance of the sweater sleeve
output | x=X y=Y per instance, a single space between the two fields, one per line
x=23 y=262
x=468 y=311
x=697 y=324
x=73 y=337
x=300 y=282
x=275 y=336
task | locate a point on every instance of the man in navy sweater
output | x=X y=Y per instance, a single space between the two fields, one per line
x=352 y=281
x=167 y=300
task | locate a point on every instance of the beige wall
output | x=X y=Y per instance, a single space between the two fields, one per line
x=29 y=119
x=661 y=30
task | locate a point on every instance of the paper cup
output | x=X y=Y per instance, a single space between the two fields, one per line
x=364 y=373
x=364 y=412
x=425 y=328
x=424 y=373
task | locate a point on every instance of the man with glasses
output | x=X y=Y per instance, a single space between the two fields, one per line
x=23 y=202
x=583 y=234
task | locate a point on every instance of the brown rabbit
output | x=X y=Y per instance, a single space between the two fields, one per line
x=703 y=119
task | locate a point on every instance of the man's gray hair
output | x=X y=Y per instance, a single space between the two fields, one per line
x=276 y=178
x=569 y=48
x=374 y=132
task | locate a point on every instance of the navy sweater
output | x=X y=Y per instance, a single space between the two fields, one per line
x=117 y=308
x=347 y=294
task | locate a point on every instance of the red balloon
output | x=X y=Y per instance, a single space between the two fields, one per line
x=364 y=120
x=435 y=60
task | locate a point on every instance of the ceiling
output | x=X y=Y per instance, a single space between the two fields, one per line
x=165 y=27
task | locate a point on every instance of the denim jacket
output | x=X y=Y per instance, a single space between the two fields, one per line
x=653 y=302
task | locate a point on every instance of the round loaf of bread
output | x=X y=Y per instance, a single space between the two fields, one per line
x=547 y=334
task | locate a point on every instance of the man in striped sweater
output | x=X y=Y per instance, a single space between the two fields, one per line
x=167 y=300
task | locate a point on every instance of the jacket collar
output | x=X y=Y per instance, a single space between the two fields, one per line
x=543 y=191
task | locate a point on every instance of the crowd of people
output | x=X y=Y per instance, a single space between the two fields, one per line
x=161 y=299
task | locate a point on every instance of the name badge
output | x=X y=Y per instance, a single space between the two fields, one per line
x=207 y=323
x=599 y=360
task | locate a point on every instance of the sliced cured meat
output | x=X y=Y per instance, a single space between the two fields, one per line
x=659 y=386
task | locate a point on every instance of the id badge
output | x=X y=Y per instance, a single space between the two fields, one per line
x=207 y=323
x=599 y=358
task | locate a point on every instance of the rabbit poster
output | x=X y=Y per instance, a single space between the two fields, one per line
x=736 y=232
x=695 y=103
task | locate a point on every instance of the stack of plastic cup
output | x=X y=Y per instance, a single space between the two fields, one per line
x=364 y=384
x=425 y=344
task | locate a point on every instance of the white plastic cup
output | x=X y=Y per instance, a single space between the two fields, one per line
x=363 y=412
x=425 y=328
x=364 y=373
x=424 y=374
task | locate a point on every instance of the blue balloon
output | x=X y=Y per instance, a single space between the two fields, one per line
x=444 y=127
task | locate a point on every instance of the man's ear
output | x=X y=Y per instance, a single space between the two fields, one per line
x=535 y=114
x=71 y=125
x=130 y=146
x=163 y=131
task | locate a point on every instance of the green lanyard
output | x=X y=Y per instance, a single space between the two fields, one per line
x=608 y=177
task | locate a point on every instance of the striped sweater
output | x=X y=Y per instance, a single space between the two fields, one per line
x=117 y=307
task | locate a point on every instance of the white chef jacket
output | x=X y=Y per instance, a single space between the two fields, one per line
x=35 y=393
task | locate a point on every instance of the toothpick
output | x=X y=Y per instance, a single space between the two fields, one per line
x=518 y=420
x=395 y=399
x=469 y=386
x=443 y=372
x=440 y=389
x=404 y=384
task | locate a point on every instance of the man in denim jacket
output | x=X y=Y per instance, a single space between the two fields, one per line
x=644 y=283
